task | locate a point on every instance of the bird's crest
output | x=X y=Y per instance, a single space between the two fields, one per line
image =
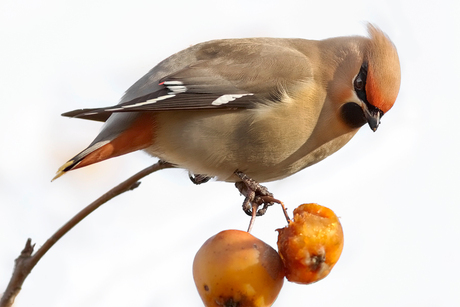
x=384 y=73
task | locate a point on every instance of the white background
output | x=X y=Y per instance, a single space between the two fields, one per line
x=396 y=190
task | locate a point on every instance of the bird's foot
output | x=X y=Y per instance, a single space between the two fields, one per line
x=256 y=195
x=198 y=178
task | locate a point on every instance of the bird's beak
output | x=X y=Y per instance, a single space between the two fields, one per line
x=372 y=117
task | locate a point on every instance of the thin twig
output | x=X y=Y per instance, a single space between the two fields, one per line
x=271 y=199
x=286 y=215
x=253 y=217
x=266 y=199
x=26 y=261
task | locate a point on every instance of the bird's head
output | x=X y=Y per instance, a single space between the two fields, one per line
x=375 y=84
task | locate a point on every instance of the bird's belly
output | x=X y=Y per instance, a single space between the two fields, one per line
x=217 y=143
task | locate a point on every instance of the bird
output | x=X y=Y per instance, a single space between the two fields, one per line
x=258 y=109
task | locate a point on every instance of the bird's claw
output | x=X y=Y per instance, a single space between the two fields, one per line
x=198 y=178
x=256 y=195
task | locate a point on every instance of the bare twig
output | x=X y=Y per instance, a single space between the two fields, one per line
x=286 y=215
x=266 y=200
x=253 y=217
x=26 y=261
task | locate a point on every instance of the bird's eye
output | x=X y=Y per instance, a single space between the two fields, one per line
x=359 y=83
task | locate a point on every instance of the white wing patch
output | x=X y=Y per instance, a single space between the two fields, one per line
x=176 y=87
x=228 y=98
x=150 y=101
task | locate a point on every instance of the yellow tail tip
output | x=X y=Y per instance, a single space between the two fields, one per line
x=61 y=171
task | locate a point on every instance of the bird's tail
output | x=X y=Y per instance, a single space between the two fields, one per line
x=139 y=135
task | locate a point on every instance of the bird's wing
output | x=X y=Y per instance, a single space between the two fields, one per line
x=223 y=74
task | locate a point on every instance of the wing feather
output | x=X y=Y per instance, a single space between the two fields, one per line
x=222 y=74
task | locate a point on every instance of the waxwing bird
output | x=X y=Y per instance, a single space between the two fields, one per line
x=259 y=108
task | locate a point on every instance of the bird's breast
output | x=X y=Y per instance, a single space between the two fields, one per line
x=267 y=143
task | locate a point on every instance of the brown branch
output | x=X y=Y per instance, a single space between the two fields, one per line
x=26 y=261
x=271 y=199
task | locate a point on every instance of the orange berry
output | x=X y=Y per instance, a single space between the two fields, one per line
x=311 y=244
x=233 y=268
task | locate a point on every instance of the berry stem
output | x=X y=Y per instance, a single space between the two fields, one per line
x=253 y=217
